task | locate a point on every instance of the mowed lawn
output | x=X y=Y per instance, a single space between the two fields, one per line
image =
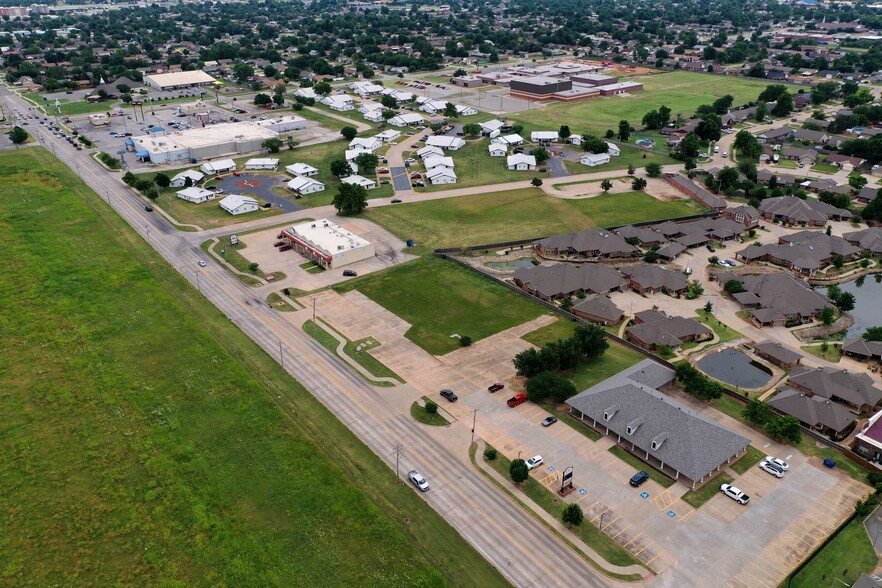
x=439 y=299
x=844 y=558
x=630 y=155
x=680 y=91
x=141 y=438
x=511 y=215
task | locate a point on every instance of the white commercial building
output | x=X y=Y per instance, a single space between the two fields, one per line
x=237 y=204
x=179 y=79
x=202 y=143
x=433 y=107
x=262 y=163
x=328 y=244
x=99 y=119
x=180 y=180
x=218 y=167
x=303 y=185
x=445 y=142
x=594 y=159
x=543 y=136
x=360 y=181
x=301 y=169
x=521 y=162
x=283 y=123
x=196 y=195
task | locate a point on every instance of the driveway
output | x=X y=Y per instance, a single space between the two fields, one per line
x=400 y=179
x=260 y=185
x=557 y=167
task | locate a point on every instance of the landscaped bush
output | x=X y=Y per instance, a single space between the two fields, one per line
x=109 y=160
x=490 y=454
x=431 y=407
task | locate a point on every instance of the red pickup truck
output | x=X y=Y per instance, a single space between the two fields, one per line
x=516 y=400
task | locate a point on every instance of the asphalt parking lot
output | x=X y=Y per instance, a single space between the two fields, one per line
x=262 y=186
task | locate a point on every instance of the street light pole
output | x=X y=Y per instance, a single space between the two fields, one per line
x=474 y=420
x=397 y=449
x=601 y=520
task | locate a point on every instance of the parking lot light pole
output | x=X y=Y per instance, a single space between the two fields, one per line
x=601 y=520
x=474 y=420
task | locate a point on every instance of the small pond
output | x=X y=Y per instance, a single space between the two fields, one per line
x=867 y=292
x=511 y=266
x=735 y=368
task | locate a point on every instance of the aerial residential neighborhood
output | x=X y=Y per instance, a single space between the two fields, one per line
x=374 y=293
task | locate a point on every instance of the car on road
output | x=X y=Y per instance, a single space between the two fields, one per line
x=779 y=463
x=771 y=468
x=534 y=462
x=638 y=479
x=148 y=208
x=548 y=421
x=449 y=395
x=350 y=273
x=418 y=480
x=725 y=155
x=396 y=201
x=734 y=493
x=202 y=263
x=495 y=387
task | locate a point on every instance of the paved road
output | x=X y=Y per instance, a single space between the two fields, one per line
x=502 y=532
x=400 y=181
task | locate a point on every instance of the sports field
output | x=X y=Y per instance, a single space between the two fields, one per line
x=680 y=91
x=518 y=214
x=147 y=442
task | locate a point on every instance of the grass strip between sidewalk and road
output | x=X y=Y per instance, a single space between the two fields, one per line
x=599 y=541
x=421 y=415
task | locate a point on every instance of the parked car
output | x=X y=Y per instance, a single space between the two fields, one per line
x=418 y=480
x=415 y=175
x=383 y=170
x=779 y=463
x=534 y=462
x=449 y=395
x=711 y=248
x=396 y=201
x=495 y=387
x=548 y=421
x=415 y=146
x=638 y=479
x=516 y=400
x=384 y=181
x=350 y=273
x=771 y=468
x=734 y=493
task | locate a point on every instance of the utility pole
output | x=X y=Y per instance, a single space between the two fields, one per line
x=397 y=449
x=313 y=309
x=281 y=355
x=474 y=420
x=198 y=285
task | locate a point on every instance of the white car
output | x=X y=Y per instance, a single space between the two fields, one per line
x=770 y=468
x=534 y=462
x=418 y=480
x=202 y=263
x=779 y=463
x=734 y=493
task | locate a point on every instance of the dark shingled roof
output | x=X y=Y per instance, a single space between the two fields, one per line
x=566 y=279
x=778 y=352
x=812 y=410
x=670 y=432
x=601 y=307
x=856 y=389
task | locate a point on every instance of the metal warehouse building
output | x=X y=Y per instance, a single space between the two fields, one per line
x=178 y=80
x=328 y=244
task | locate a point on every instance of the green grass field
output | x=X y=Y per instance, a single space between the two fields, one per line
x=475 y=167
x=725 y=333
x=630 y=155
x=614 y=360
x=516 y=214
x=748 y=460
x=439 y=299
x=696 y=498
x=559 y=329
x=146 y=441
x=681 y=91
x=421 y=415
x=833 y=353
x=843 y=559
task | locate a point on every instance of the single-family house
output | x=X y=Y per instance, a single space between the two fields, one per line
x=654 y=329
x=359 y=181
x=497 y=150
x=445 y=142
x=365 y=144
x=196 y=195
x=374 y=115
x=594 y=159
x=521 y=162
x=237 y=204
x=302 y=170
x=303 y=185
x=438 y=161
x=340 y=103
x=407 y=119
x=388 y=135
x=512 y=140
x=814 y=412
x=218 y=167
x=857 y=390
x=180 y=180
x=544 y=136
x=598 y=309
x=613 y=149
x=465 y=110
x=429 y=151
x=491 y=128
x=441 y=175
x=777 y=354
x=262 y=163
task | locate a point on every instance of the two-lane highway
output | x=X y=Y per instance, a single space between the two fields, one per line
x=507 y=536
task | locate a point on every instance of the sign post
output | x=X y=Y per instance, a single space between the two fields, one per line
x=566 y=482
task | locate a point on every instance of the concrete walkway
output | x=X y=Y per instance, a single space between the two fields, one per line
x=601 y=564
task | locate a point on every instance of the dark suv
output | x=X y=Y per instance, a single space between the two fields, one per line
x=638 y=479
x=449 y=395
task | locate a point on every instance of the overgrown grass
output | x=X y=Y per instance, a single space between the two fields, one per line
x=604 y=545
x=439 y=299
x=516 y=214
x=655 y=473
x=752 y=457
x=421 y=415
x=844 y=559
x=696 y=498
x=143 y=435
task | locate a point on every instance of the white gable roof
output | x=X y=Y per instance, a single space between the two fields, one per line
x=301 y=183
x=234 y=201
x=299 y=169
x=519 y=158
x=437 y=161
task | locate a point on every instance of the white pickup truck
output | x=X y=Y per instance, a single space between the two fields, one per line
x=735 y=494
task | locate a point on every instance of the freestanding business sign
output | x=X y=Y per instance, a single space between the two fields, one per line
x=566 y=482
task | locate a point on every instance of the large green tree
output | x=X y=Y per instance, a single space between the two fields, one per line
x=350 y=199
